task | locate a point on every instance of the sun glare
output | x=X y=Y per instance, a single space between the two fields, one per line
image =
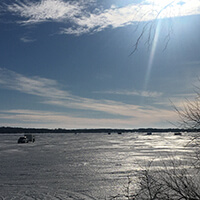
x=166 y=9
x=174 y=8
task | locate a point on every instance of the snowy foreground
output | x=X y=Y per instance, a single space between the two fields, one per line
x=79 y=166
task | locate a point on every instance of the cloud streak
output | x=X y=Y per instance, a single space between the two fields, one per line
x=27 y=40
x=51 y=94
x=35 y=118
x=35 y=85
x=79 y=17
x=134 y=93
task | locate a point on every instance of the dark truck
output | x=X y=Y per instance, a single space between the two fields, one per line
x=26 y=138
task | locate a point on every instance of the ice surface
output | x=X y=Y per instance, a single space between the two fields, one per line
x=79 y=166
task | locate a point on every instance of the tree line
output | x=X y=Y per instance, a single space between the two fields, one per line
x=100 y=130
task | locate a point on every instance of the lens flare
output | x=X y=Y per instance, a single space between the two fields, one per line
x=151 y=57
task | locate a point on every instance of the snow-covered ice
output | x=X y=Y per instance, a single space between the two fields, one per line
x=79 y=166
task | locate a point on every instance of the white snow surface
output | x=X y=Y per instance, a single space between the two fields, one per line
x=80 y=166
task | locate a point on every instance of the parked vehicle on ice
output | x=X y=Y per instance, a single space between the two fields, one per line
x=30 y=137
x=26 y=138
x=23 y=139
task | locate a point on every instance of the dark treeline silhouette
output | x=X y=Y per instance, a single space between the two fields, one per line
x=101 y=130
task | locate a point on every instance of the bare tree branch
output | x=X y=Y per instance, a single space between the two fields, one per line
x=150 y=28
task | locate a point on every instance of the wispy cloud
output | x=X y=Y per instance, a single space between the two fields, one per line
x=84 y=17
x=52 y=94
x=35 y=118
x=31 y=85
x=45 y=10
x=27 y=39
x=152 y=94
x=43 y=119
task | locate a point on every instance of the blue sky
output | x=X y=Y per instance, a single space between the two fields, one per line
x=67 y=64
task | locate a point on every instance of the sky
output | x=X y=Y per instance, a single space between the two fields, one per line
x=97 y=63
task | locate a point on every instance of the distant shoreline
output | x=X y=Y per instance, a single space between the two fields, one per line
x=95 y=130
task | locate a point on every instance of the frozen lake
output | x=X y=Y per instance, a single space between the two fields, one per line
x=79 y=166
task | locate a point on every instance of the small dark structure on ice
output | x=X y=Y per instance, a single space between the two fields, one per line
x=177 y=133
x=26 y=138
